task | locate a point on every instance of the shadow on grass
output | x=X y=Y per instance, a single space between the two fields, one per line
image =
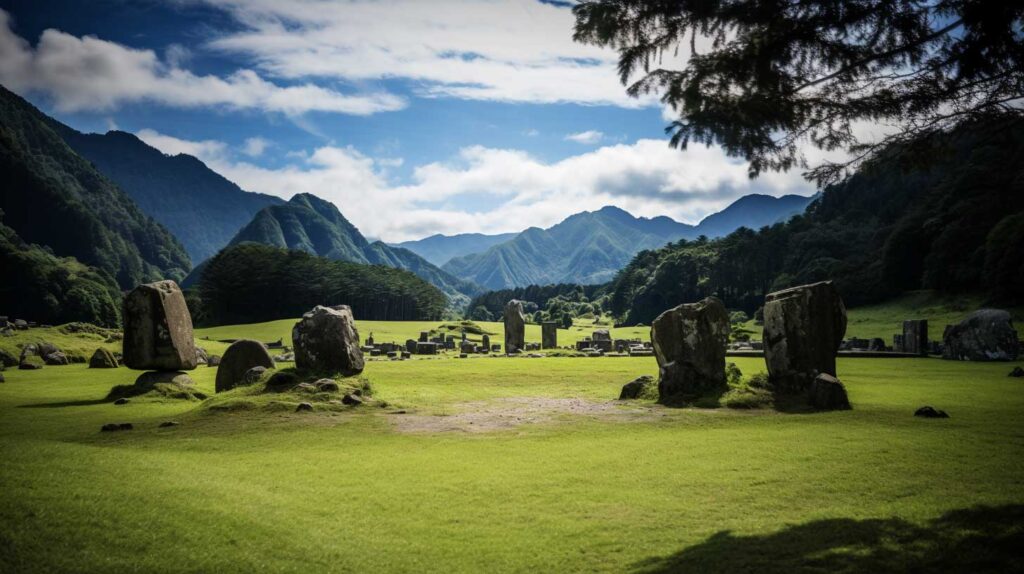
x=979 y=539
x=82 y=403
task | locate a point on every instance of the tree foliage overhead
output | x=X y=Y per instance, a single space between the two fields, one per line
x=249 y=282
x=763 y=77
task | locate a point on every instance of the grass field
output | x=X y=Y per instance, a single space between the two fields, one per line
x=513 y=465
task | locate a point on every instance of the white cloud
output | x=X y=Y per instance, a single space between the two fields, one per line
x=206 y=150
x=88 y=73
x=589 y=137
x=646 y=178
x=500 y=50
x=254 y=147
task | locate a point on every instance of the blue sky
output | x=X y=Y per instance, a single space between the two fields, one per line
x=413 y=117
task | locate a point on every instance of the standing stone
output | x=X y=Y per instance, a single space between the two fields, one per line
x=689 y=345
x=241 y=356
x=102 y=359
x=158 y=329
x=326 y=341
x=915 y=336
x=410 y=346
x=549 y=335
x=602 y=335
x=985 y=335
x=803 y=328
x=424 y=336
x=515 y=327
x=485 y=342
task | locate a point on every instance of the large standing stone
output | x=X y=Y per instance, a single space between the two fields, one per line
x=485 y=342
x=985 y=335
x=515 y=327
x=326 y=341
x=158 y=329
x=102 y=359
x=689 y=344
x=549 y=335
x=803 y=328
x=915 y=336
x=241 y=356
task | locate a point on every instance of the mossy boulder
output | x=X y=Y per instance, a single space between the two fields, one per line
x=102 y=359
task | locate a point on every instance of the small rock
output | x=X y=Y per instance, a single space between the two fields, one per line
x=213 y=361
x=304 y=407
x=253 y=375
x=125 y=426
x=463 y=356
x=280 y=382
x=166 y=424
x=930 y=413
x=327 y=386
x=30 y=364
x=636 y=388
x=122 y=401
x=112 y=427
x=102 y=359
x=1017 y=372
x=304 y=388
x=352 y=400
x=827 y=393
x=56 y=358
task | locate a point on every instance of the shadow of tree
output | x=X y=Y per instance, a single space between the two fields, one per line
x=980 y=539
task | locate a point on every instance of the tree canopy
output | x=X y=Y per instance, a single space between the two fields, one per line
x=763 y=78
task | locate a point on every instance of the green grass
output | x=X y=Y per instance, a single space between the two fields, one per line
x=874 y=489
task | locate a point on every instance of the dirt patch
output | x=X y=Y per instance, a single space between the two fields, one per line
x=509 y=413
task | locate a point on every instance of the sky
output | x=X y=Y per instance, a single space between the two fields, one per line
x=413 y=117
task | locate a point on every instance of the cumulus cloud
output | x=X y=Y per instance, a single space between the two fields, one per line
x=254 y=147
x=646 y=178
x=206 y=150
x=589 y=137
x=499 y=50
x=92 y=74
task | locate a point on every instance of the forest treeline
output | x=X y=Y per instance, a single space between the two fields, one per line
x=248 y=282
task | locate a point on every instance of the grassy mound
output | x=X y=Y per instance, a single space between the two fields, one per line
x=180 y=388
x=471 y=327
x=286 y=389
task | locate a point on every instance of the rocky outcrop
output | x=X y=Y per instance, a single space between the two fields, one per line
x=985 y=335
x=689 y=344
x=515 y=327
x=102 y=359
x=241 y=356
x=326 y=341
x=803 y=328
x=158 y=329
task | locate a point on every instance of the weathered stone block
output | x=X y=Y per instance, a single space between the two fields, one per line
x=689 y=344
x=158 y=329
x=515 y=327
x=803 y=328
x=326 y=341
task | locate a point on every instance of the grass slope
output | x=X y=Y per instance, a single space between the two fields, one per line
x=874 y=489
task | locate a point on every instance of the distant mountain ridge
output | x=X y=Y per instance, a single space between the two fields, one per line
x=439 y=249
x=590 y=247
x=203 y=209
x=316 y=226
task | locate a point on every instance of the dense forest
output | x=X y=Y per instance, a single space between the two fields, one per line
x=249 y=282
x=43 y=287
x=560 y=302
x=943 y=213
x=53 y=197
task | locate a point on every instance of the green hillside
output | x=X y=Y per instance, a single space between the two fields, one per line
x=53 y=197
x=944 y=214
x=202 y=208
x=308 y=223
x=439 y=249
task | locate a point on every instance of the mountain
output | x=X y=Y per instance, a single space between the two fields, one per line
x=54 y=198
x=203 y=209
x=590 y=247
x=439 y=249
x=752 y=211
x=308 y=223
